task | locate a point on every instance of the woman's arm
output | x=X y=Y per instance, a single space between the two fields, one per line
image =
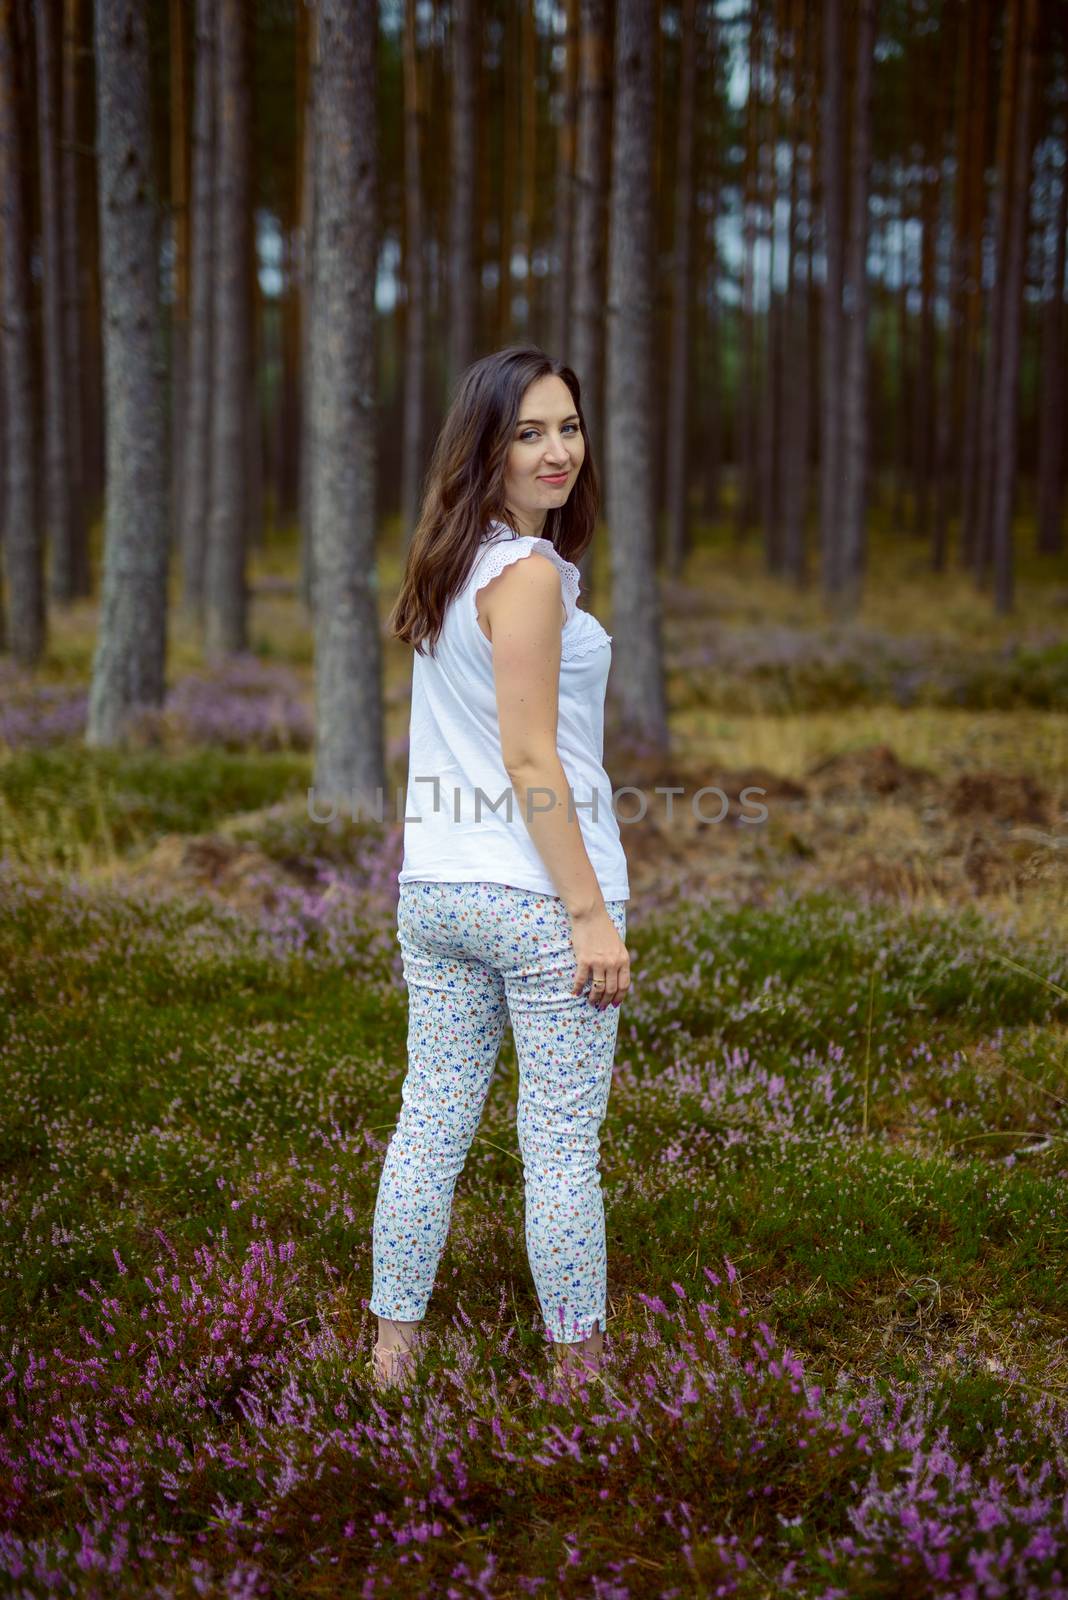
x=523 y=608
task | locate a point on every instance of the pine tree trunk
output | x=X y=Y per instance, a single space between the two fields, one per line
x=832 y=330
x=196 y=455
x=73 y=244
x=586 y=333
x=950 y=411
x=286 y=448
x=852 y=500
x=350 y=751
x=770 y=417
x=561 y=283
x=795 y=338
x=630 y=379
x=508 y=173
x=463 y=280
x=180 y=229
x=1008 y=368
x=226 y=598
x=23 y=546
x=989 y=442
x=708 y=412
x=746 y=409
x=307 y=312
x=1051 y=410
x=678 y=410
x=131 y=649
x=57 y=480
x=972 y=357
x=415 y=332
x=527 y=187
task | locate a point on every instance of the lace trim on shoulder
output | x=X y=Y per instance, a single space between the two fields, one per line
x=499 y=556
x=592 y=639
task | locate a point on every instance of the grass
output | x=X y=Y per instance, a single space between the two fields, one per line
x=833 y=1167
x=195 y=1091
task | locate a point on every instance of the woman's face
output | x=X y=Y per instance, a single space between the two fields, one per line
x=546 y=453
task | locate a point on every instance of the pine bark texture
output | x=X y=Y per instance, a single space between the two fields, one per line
x=226 y=597
x=196 y=455
x=832 y=329
x=586 y=331
x=630 y=382
x=23 y=544
x=57 y=480
x=678 y=417
x=463 y=266
x=71 y=163
x=348 y=673
x=855 y=401
x=131 y=648
x=1007 y=399
x=415 y=318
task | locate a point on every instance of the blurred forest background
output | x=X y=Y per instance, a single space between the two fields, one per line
x=807 y=259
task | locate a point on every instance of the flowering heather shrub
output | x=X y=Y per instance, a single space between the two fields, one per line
x=247 y=704
x=197 y=1423
x=771 y=667
x=197 y=1103
x=48 y=714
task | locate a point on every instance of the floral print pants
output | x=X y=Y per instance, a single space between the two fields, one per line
x=476 y=955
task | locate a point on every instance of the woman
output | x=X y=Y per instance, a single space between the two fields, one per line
x=514 y=883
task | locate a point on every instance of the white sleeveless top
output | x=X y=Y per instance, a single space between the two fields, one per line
x=451 y=833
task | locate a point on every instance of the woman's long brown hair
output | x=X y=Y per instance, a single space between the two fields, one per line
x=464 y=488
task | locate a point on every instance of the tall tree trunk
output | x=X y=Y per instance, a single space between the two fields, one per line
x=930 y=120
x=630 y=380
x=23 y=547
x=832 y=331
x=853 y=498
x=586 y=333
x=307 y=303
x=286 y=448
x=1051 y=410
x=561 y=284
x=57 y=482
x=795 y=339
x=254 y=433
x=196 y=456
x=73 y=244
x=950 y=411
x=180 y=228
x=902 y=510
x=463 y=268
x=678 y=411
x=507 y=174
x=415 y=337
x=972 y=354
x=131 y=648
x=990 y=444
x=350 y=748
x=90 y=251
x=768 y=430
x=226 y=608
x=747 y=367
x=527 y=187
x=708 y=418
x=1008 y=367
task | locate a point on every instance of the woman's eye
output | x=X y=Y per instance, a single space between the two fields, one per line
x=527 y=432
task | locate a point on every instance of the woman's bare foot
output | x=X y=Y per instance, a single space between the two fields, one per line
x=394 y=1353
x=579 y=1362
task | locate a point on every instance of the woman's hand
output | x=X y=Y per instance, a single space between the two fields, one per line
x=602 y=958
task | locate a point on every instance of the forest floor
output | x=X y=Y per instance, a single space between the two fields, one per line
x=833 y=1162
